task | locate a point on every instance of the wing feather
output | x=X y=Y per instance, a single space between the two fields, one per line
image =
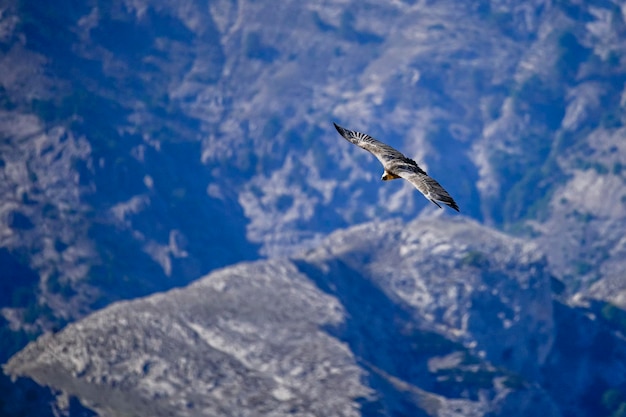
x=429 y=187
x=383 y=152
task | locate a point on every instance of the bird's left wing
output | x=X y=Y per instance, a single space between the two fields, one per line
x=383 y=152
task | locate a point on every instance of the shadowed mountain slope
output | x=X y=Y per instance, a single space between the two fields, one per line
x=437 y=317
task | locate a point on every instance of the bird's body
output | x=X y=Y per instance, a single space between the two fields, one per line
x=396 y=165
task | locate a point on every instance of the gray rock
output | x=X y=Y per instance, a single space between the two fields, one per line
x=247 y=340
x=484 y=289
x=417 y=317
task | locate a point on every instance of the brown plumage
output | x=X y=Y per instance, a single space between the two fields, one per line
x=396 y=165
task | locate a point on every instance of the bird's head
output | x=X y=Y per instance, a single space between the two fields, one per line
x=388 y=176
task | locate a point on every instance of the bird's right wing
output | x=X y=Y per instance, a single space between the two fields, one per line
x=428 y=186
x=383 y=152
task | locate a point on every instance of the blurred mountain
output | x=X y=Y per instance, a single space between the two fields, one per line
x=435 y=317
x=381 y=319
x=144 y=144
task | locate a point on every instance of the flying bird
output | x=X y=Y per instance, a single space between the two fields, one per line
x=396 y=165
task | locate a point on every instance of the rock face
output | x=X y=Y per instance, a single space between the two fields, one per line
x=438 y=317
x=248 y=338
x=452 y=275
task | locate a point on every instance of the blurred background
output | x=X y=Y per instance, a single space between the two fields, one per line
x=147 y=143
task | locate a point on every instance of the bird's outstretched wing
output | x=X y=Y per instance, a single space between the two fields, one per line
x=383 y=152
x=428 y=186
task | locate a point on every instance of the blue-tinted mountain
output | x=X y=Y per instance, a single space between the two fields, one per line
x=144 y=144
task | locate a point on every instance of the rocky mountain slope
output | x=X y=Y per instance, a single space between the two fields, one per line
x=144 y=144
x=437 y=317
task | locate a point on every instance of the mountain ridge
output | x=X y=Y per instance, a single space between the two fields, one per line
x=263 y=313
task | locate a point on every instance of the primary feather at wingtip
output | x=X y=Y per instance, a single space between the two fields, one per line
x=340 y=129
x=447 y=200
x=452 y=204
